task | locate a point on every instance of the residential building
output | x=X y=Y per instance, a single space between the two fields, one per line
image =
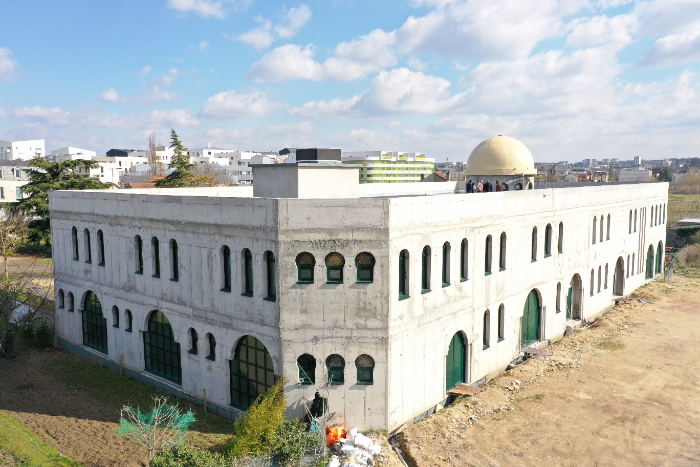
x=13 y=175
x=71 y=153
x=635 y=175
x=389 y=166
x=22 y=150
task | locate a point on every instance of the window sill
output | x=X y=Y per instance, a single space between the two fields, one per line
x=101 y=264
x=305 y=282
x=61 y=307
x=486 y=347
x=71 y=310
x=423 y=291
x=139 y=273
x=270 y=299
x=157 y=276
x=463 y=280
x=247 y=294
x=192 y=352
x=128 y=330
x=174 y=280
x=403 y=297
x=533 y=260
x=501 y=269
x=115 y=326
x=487 y=273
x=547 y=256
x=306 y=383
x=226 y=289
x=88 y=262
x=445 y=284
x=364 y=282
x=339 y=383
x=501 y=339
x=210 y=358
x=76 y=259
x=365 y=383
x=558 y=311
x=334 y=282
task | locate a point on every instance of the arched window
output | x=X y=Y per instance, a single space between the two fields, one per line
x=659 y=258
x=607 y=237
x=592 y=282
x=633 y=261
x=194 y=341
x=336 y=369
x=558 y=297
x=365 y=369
x=115 y=316
x=635 y=221
x=74 y=240
x=664 y=214
x=501 y=322
x=271 y=276
x=650 y=262
x=487 y=329
x=502 y=252
x=425 y=270
x=161 y=352
x=595 y=230
x=307 y=369
x=71 y=302
x=446 y=264
x=174 y=261
x=548 y=240
x=211 y=341
x=334 y=268
x=61 y=299
x=129 y=321
x=252 y=372
x=225 y=269
x=403 y=275
x=155 y=256
x=305 y=268
x=364 y=262
x=560 y=240
x=94 y=323
x=605 y=286
x=100 y=248
x=651 y=216
x=600 y=236
x=464 y=261
x=630 y=221
x=534 y=244
x=247 y=273
x=138 y=250
x=487 y=258
x=628 y=265
x=600 y=270
x=88 y=249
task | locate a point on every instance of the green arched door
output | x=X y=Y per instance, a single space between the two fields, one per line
x=530 y=330
x=659 y=259
x=650 y=262
x=455 y=362
x=569 y=296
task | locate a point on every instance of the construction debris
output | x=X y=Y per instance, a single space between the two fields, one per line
x=354 y=450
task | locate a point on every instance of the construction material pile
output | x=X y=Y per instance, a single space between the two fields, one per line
x=350 y=449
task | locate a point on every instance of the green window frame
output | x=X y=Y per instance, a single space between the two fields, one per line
x=100 y=248
x=305 y=268
x=487 y=329
x=138 y=247
x=74 y=240
x=595 y=230
x=211 y=341
x=71 y=302
x=501 y=322
x=252 y=372
x=560 y=240
x=502 y=252
x=226 y=269
x=129 y=321
x=534 y=245
x=174 y=261
x=558 y=307
x=307 y=369
x=365 y=370
x=88 y=249
x=161 y=352
x=548 y=240
x=194 y=341
x=464 y=261
x=94 y=323
x=155 y=253
x=335 y=262
x=364 y=262
x=115 y=316
x=403 y=275
x=61 y=299
x=425 y=270
x=487 y=256
x=271 y=274
x=336 y=370
x=446 y=264
x=247 y=273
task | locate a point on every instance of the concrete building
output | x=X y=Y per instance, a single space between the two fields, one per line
x=13 y=176
x=71 y=153
x=502 y=158
x=22 y=150
x=384 y=296
x=635 y=175
x=389 y=166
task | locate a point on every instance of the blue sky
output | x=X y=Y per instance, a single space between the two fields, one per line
x=571 y=79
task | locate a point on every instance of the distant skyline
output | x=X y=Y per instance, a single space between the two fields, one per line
x=571 y=79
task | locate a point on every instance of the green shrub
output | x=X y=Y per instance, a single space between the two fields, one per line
x=43 y=335
x=26 y=332
x=256 y=432
x=292 y=440
x=185 y=456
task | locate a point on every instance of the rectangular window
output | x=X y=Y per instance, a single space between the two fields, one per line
x=100 y=248
x=248 y=273
x=88 y=250
x=174 y=262
x=139 y=255
x=227 y=269
x=463 y=262
x=271 y=286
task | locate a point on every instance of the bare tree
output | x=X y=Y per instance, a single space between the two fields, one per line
x=14 y=233
x=214 y=174
x=157 y=167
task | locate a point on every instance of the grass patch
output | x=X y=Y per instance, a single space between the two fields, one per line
x=106 y=385
x=18 y=442
x=534 y=398
x=610 y=345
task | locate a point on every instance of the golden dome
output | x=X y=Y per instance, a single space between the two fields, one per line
x=501 y=155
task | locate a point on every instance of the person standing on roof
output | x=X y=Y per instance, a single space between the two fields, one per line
x=470 y=187
x=488 y=188
x=499 y=186
x=480 y=187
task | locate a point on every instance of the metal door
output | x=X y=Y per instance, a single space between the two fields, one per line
x=454 y=371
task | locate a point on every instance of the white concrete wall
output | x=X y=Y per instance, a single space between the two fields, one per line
x=23 y=150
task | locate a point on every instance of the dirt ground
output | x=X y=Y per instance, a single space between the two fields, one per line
x=621 y=392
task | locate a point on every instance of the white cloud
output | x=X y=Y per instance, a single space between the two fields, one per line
x=272 y=137
x=417 y=64
x=399 y=91
x=94 y=117
x=663 y=17
x=672 y=50
x=393 y=124
x=2 y=112
x=203 y=46
x=293 y=21
x=230 y=105
x=600 y=30
x=8 y=65
x=350 y=60
x=110 y=95
x=154 y=95
x=146 y=70
x=260 y=37
x=203 y=8
x=170 y=76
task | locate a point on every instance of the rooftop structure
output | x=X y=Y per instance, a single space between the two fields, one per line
x=389 y=166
